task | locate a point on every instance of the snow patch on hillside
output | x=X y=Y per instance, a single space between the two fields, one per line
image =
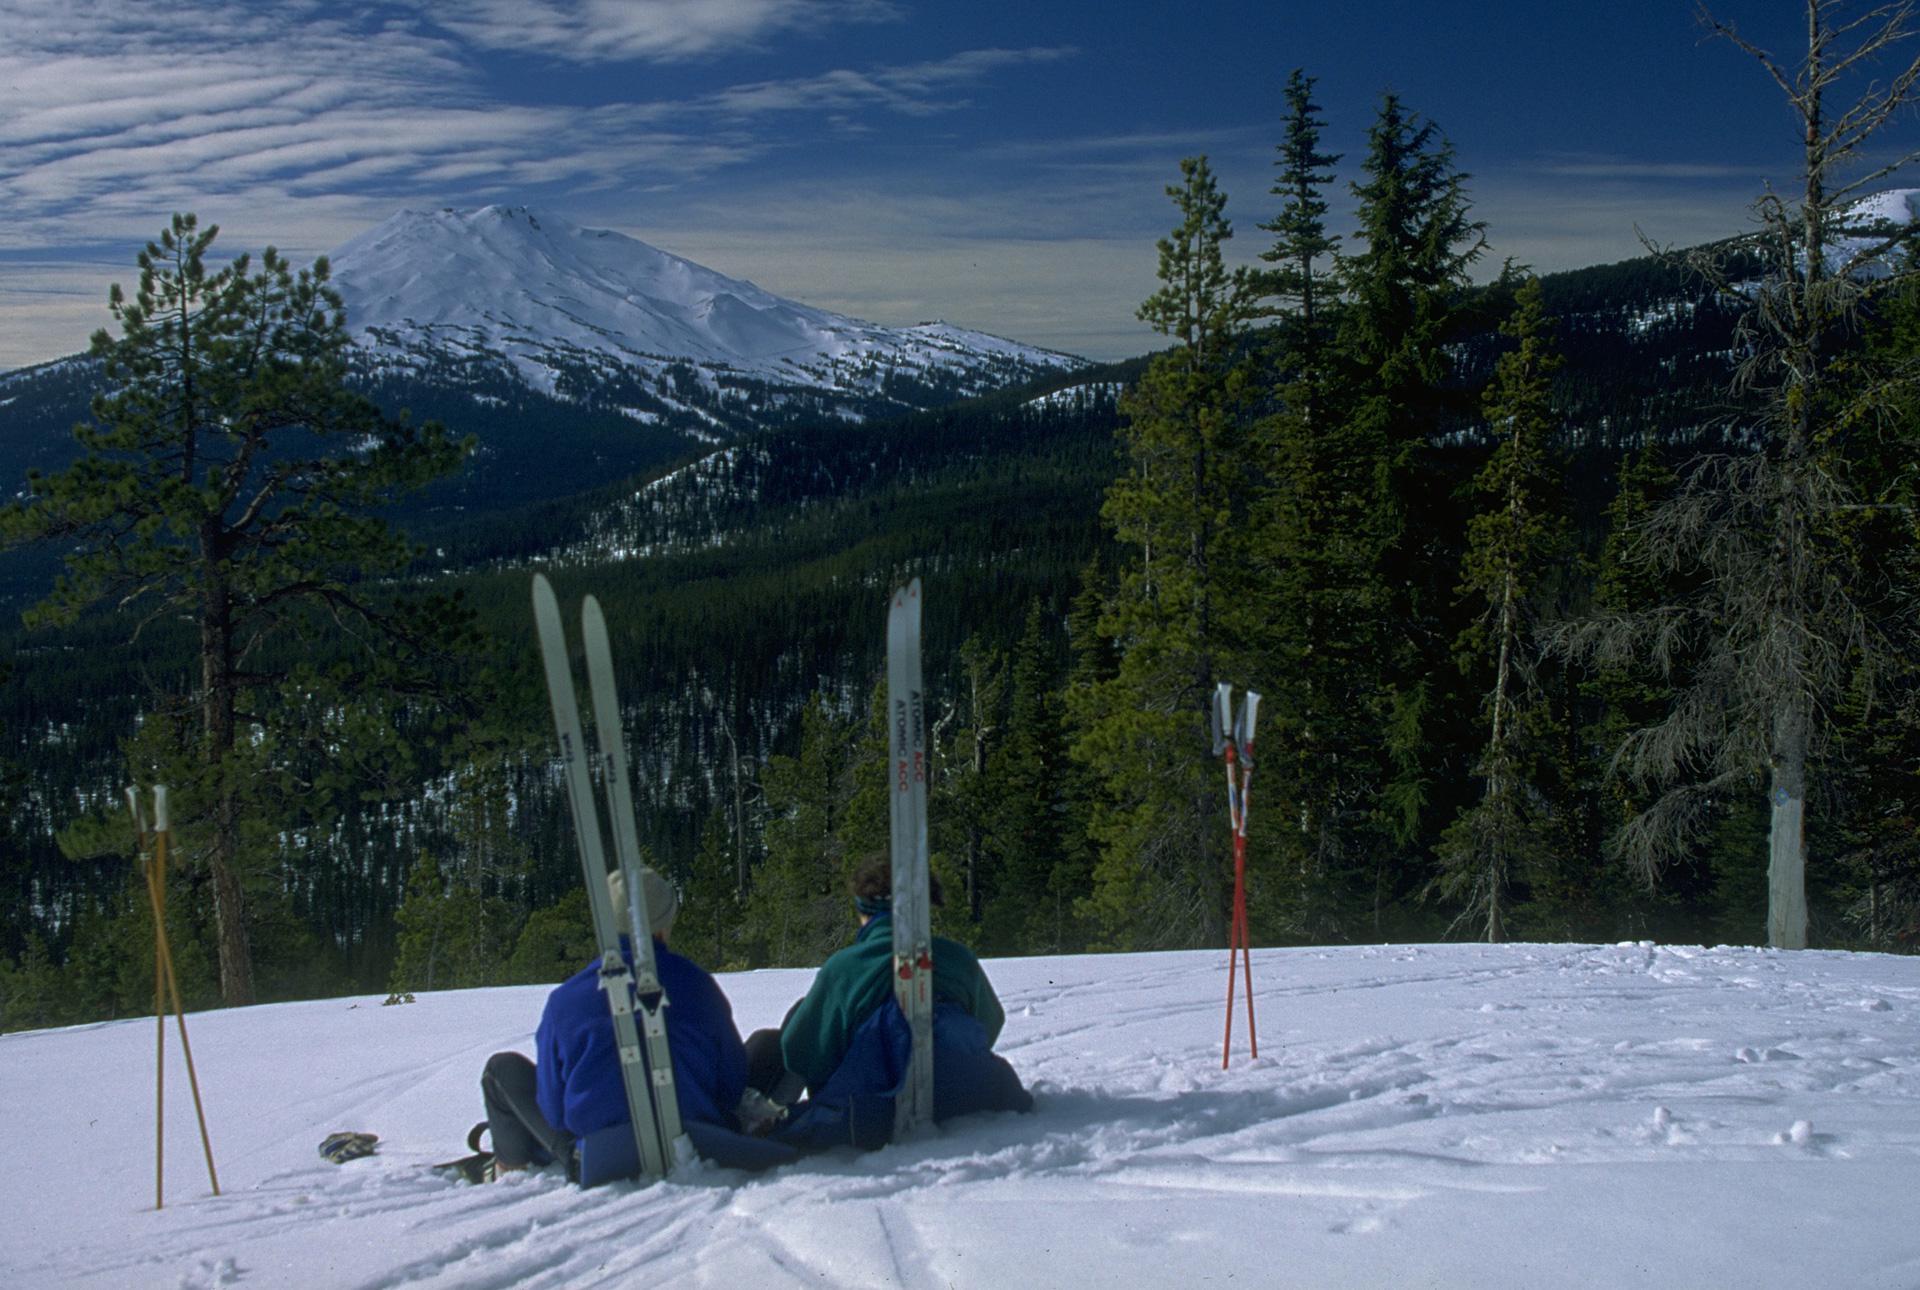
x=1872 y=221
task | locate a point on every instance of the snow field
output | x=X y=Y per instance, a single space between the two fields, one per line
x=1484 y=1116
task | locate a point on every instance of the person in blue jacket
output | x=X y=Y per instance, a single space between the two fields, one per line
x=848 y=1042
x=537 y=1109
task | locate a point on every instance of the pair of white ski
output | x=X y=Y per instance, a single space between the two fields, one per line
x=635 y=997
x=634 y=994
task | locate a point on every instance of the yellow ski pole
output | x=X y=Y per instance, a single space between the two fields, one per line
x=144 y=842
x=164 y=834
x=157 y=894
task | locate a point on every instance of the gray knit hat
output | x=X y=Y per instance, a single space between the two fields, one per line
x=662 y=901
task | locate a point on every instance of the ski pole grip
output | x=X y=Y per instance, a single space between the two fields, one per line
x=1222 y=705
x=160 y=808
x=1243 y=732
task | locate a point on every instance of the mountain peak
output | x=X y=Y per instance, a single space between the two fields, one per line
x=514 y=283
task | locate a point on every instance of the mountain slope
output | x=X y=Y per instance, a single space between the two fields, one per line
x=594 y=316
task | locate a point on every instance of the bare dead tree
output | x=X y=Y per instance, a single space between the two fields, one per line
x=1785 y=616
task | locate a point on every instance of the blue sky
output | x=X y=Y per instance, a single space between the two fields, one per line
x=999 y=165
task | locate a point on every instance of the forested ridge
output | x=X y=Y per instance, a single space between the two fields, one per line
x=1572 y=602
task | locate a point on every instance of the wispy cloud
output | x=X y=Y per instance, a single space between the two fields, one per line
x=599 y=31
x=116 y=111
x=918 y=89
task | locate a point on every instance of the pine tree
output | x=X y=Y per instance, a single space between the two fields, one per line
x=30 y=990
x=1034 y=898
x=865 y=828
x=14 y=879
x=1622 y=693
x=229 y=475
x=798 y=909
x=1302 y=247
x=1513 y=546
x=962 y=807
x=1092 y=663
x=709 y=927
x=1876 y=794
x=1298 y=563
x=1180 y=506
x=556 y=941
x=451 y=935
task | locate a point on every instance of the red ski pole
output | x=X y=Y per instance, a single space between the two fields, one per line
x=1235 y=742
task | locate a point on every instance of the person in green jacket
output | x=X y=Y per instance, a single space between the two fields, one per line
x=819 y=1046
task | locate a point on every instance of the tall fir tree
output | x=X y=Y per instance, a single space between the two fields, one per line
x=1032 y=906
x=1358 y=534
x=1302 y=250
x=1301 y=573
x=1404 y=294
x=15 y=877
x=962 y=811
x=710 y=925
x=1876 y=797
x=1621 y=693
x=1093 y=661
x=1515 y=545
x=1177 y=614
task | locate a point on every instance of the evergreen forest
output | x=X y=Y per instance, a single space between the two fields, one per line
x=1581 y=605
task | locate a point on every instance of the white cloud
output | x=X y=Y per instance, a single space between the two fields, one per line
x=108 y=109
x=598 y=31
x=911 y=89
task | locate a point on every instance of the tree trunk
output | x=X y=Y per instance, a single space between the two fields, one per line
x=1498 y=784
x=218 y=700
x=1787 y=793
x=1787 y=839
x=741 y=878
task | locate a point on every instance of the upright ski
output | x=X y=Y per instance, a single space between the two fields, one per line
x=648 y=992
x=654 y=1145
x=912 y=913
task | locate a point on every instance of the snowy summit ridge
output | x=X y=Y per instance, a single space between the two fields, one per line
x=565 y=308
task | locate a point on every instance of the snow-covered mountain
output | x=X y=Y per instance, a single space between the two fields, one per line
x=593 y=316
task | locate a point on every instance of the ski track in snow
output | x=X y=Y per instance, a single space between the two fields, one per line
x=1418 y=1115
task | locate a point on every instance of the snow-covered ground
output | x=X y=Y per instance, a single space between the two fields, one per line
x=1473 y=1116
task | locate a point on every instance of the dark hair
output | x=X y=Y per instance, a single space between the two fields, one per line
x=873 y=883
